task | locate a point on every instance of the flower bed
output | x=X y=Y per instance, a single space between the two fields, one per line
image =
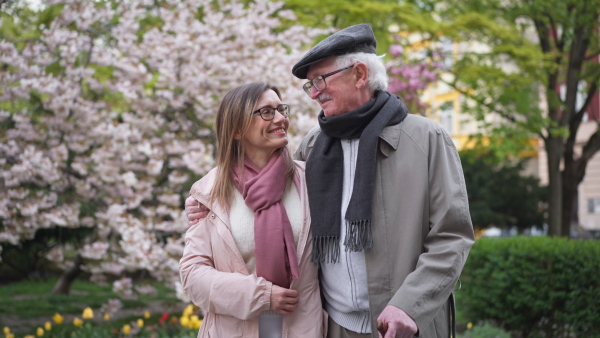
x=145 y=325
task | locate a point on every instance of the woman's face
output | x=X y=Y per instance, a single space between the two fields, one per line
x=264 y=137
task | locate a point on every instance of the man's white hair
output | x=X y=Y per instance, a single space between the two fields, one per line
x=378 y=78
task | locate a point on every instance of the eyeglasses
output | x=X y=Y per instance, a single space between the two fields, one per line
x=319 y=81
x=268 y=113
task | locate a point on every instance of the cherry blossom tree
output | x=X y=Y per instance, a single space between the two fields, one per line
x=411 y=73
x=106 y=116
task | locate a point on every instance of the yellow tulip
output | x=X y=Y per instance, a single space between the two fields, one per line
x=189 y=310
x=6 y=330
x=48 y=326
x=29 y=336
x=10 y=335
x=58 y=319
x=146 y=314
x=39 y=332
x=140 y=322
x=469 y=326
x=88 y=313
x=106 y=316
x=126 y=329
x=77 y=321
x=195 y=322
x=184 y=321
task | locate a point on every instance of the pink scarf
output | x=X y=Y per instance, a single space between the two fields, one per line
x=273 y=237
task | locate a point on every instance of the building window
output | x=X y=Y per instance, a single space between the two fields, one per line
x=593 y=205
x=447 y=117
x=447 y=50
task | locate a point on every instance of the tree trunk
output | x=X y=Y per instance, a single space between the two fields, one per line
x=554 y=150
x=569 y=200
x=569 y=182
x=63 y=285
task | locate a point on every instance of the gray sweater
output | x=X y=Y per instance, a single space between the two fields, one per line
x=345 y=283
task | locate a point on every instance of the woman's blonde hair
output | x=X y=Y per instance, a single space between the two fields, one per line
x=233 y=119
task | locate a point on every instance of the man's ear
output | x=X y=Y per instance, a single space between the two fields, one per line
x=361 y=73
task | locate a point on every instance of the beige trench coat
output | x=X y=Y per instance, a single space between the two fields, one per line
x=422 y=230
x=215 y=277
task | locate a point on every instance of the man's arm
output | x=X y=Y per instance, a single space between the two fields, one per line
x=450 y=236
x=305 y=146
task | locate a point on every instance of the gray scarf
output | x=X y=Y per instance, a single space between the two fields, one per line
x=325 y=171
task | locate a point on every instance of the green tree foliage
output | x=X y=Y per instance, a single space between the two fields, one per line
x=515 y=57
x=512 y=59
x=380 y=14
x=499 y=195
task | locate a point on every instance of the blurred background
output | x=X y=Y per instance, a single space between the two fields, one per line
x=106 y=115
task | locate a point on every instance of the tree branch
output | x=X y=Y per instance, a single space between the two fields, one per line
x=558 y=42
x=590 y=96
x=577 y=52
x=578 y=116
x=589 y=150
x=502 y=114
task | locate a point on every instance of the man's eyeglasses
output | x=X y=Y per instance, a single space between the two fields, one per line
x=319 y=81
x=268 y=113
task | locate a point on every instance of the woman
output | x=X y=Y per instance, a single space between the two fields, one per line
x=247 y=263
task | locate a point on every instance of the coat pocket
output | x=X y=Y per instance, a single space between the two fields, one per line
x=224 y=326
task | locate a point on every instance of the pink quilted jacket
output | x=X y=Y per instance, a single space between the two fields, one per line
x=215 y=277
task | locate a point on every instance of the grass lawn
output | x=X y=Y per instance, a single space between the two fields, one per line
x=30 y=299
x=28 y=304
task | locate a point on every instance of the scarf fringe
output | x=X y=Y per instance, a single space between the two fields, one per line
x=358 y=235
x=326 y=249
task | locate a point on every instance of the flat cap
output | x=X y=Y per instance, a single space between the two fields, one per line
x=353 y=39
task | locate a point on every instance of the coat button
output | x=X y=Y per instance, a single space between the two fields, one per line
x=212 y=216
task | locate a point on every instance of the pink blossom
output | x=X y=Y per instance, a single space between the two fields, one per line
x=127 y=128
x=410 y=76
x=396 y=50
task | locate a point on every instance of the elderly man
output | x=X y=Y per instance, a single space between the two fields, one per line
x=390 y=218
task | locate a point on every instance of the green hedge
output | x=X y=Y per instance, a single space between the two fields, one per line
x=534 y=286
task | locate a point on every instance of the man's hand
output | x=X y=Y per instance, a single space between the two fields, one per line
x=194 y=210
x=283 y=301
x=395 y=323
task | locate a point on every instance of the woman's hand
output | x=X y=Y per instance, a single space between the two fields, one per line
x=194 y=210
x=283 y=301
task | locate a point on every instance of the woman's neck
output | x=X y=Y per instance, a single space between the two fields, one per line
x=260 y=159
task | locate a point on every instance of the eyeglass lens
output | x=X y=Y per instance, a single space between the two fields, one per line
x=268 y=113
x=319 y=81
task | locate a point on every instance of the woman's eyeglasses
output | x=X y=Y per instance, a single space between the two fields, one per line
x=268 y=113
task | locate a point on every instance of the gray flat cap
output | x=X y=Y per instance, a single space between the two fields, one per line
x=357 y=38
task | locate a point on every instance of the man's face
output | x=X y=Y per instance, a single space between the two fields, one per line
x=341 y=94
